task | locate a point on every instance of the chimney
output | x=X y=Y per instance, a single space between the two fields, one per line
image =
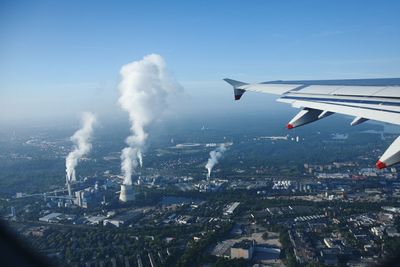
x=127 y=193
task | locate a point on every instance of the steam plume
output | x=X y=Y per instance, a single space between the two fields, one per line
x=145 y=89
x=215 y=155
x=82 y=145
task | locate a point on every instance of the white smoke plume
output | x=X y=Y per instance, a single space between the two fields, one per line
x=215 y=155
x=82 y=145
x=145 y=89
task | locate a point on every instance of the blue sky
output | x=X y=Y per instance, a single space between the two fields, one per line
x=59 y=58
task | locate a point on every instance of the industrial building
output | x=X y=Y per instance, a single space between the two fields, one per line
x=89 y=197
x=123 y=218
x=229 y=210
x=55 y=217
x=243 y=249
x=95 y=220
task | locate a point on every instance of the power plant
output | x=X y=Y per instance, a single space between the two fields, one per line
x=83 y=197
x=127 y=193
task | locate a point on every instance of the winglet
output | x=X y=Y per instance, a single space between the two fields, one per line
x=234 y=83
x=238 y=92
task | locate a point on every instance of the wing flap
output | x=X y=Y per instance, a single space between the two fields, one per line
x=372 y=114
x=275 y=89
x=358 y=90
x=390 y=91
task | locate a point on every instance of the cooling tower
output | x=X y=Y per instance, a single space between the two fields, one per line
x=127 y=193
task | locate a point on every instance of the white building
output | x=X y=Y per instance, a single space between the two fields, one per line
x=122 y=219
x=243 y=249
x=231 y=208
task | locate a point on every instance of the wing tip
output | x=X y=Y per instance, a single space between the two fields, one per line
x=380 y=165
x=234 y=83
x=238 y=92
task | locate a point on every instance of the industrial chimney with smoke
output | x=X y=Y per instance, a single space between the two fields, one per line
x=127 y=193
x=82 y=146
x=68 y=183
x=146 y=88
x=215 y=155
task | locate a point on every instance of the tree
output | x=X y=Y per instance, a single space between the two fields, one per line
x=265 y=235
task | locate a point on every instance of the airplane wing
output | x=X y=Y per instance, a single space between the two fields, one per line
x=365 y=99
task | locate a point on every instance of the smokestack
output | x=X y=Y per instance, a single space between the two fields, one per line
x=215 y=155
x=145 y=89
x=127 y=193
x=82 y=145
x=68 y=183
